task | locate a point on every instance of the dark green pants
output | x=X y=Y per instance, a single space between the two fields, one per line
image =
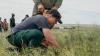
x=26 y=38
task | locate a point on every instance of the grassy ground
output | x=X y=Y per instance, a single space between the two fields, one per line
x=74 y=42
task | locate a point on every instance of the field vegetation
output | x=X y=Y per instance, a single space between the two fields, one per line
x=81 y=41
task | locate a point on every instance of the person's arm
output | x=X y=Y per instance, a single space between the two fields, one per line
x=57 y=4
x=50 y=38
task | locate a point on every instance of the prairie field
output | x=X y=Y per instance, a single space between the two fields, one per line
x=81 y=41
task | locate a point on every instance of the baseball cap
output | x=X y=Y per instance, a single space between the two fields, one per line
x=55 y=13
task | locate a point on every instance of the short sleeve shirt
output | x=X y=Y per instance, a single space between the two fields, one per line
x=34 y=22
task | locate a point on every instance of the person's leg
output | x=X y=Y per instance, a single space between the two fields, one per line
x=15 y=40
x=27 y=38
x=35 y=11
x=37 y=37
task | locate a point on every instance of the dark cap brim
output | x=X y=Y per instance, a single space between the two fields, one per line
x=59 y=21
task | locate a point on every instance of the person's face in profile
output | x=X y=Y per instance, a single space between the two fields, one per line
x=52 y=20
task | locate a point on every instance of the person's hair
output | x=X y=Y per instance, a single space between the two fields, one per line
x=54 y=13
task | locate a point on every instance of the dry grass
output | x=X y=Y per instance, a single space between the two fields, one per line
x=74 y=42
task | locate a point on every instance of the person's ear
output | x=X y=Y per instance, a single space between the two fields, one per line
x=48 y=15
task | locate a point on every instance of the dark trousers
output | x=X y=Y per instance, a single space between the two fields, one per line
x=26 y=38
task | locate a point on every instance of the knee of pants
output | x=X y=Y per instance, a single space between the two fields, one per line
x=34 y=43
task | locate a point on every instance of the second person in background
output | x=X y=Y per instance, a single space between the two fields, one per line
x=48 y=5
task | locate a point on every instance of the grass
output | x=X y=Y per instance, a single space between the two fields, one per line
x=74 y=42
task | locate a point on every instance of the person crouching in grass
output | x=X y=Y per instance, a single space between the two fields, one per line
x=35 y=31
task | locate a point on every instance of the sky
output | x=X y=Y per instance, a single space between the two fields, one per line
x=72 y=11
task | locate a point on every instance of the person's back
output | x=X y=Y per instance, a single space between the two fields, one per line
x=34 y=22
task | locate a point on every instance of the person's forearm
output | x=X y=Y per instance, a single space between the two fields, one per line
x=50 y=38
x=54 y=44
x=52 y=41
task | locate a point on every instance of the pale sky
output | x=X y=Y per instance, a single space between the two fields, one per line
x=72 y=11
